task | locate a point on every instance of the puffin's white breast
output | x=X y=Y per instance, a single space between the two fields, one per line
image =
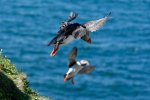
x=69 y=39
x=75 y=69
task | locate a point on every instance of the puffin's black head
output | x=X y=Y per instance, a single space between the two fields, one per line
x=56 y=46
x=53 y=41
x=56 y=41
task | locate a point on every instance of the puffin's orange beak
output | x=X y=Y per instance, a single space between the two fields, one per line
x=54 y=51
x=66 y=78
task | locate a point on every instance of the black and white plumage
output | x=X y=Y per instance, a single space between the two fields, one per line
x=71 y=31
x=75 y=67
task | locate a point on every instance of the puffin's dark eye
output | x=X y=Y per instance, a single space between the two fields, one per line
x=65 y=75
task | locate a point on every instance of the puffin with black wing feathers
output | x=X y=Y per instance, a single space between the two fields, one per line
x=70 y=31
x=75 y=67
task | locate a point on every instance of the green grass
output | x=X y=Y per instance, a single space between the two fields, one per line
x=14 y=84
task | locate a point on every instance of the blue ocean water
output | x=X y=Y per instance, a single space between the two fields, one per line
x=120 y=50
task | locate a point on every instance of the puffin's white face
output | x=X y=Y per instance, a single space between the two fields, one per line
x=70 y=74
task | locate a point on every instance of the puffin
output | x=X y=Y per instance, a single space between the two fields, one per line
x=70 y=31
x=75 y=67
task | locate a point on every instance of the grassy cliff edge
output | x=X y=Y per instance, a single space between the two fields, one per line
x=14 y=84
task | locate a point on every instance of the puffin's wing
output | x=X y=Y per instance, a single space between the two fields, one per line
x=72 y=16
x=72 y=57
x=87 y=70
x=92 y=26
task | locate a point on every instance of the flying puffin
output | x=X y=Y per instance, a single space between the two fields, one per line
x=70 y=31
x=75 y=67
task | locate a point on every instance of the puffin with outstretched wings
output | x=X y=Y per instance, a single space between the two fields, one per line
x=75 y=67
x=70 y=31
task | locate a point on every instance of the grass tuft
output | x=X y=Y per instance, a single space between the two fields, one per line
x=14 y=84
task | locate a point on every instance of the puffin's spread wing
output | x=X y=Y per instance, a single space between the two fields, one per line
x=87 y=70
x=72 y=57
x=96 y=24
